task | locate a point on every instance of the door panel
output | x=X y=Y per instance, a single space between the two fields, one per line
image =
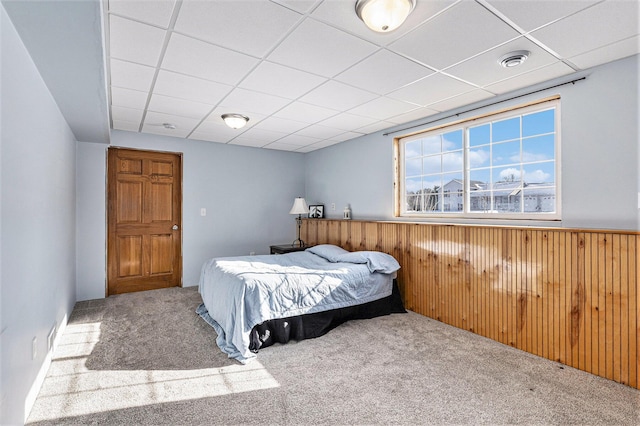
x=161 y=168
x=130 y=253
x=129 y=202
x=161 y=208
x=144 y=251
x=161 y=254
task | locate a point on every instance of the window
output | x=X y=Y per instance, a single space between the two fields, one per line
x=499 y=166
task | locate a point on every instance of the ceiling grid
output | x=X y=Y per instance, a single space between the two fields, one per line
x=309 y=73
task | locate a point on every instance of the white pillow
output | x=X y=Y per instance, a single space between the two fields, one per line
x=376 y=261
x=328 y=251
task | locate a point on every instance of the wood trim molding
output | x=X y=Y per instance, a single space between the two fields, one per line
x=569 y=295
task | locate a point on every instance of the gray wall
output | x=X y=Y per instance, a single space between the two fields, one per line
x=38 y=221
x=599 y=159
x=247 y=192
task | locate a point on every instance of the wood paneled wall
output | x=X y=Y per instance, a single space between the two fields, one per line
x=564 y=294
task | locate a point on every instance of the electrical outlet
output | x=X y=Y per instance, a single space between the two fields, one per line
x=252 y=253
x=34 y=348
x=333 y=207
x=203 y=212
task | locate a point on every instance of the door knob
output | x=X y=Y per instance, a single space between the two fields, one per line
x=174 y=227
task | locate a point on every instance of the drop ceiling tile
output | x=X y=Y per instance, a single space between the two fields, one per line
x=153 y=124
x=333 y=94
x=319 y=132
x=280 y=124
x=219 y=137
x=441 y=42
x=600 y=25
x=281 y=146
x=301 y=6
x=191 y=88
x=531 y=14
x=131 y=115
x=533 y=77
x=157 y=12
x=416 y=114
x=299 y=140
x=248 y=142
x=320 y=49
x=346 y=121
x=282 y=81
x=382 y=107
x=462 y=100
x=305 y=113
x=317 y=146
x=247 y=101
x=199 y=59
x=484 y=69
x=126 y=125
x=234 y=24
x=135 y=42
x=375 y=127
x=342 y=14
x=308 y=148
x=611 y=52
x=208 y=137
x=205 y=137
x=180 y=107
x=346 y=136
x=263 y=135
x=380 y=73
x=431 y=89
x=131 y=76
x=128 y=98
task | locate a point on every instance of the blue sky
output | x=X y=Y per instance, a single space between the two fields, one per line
x=514 y=148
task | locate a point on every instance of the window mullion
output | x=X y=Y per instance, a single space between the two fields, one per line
x=466 y=172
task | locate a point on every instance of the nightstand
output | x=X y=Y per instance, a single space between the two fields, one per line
x=286 y=248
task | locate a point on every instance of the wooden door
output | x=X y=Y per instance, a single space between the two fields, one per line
x=144 y=220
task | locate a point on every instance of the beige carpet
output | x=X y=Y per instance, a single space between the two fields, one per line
x=147 y=358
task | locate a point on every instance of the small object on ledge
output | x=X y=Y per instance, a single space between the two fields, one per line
x=347 y=213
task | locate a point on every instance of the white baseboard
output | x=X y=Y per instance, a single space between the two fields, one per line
x=42 y=373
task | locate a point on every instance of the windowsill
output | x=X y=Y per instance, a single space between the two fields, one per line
x=496 y=223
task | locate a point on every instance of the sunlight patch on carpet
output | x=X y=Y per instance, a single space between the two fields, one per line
x=71 y=389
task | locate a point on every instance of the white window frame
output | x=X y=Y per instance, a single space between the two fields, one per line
x=400 y=143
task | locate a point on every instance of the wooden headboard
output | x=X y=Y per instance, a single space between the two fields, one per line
x=568 y=295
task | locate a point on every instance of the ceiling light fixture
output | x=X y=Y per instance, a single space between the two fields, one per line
x=235 y=121
x=384 y=16
x=513 y=59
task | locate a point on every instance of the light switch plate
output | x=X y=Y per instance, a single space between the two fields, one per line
x=203 y=212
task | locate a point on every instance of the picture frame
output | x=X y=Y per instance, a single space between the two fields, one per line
x=316 y=211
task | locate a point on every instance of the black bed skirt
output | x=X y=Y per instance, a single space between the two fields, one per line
x=317 y=324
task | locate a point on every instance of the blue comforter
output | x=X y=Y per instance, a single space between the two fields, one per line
x=241 y=292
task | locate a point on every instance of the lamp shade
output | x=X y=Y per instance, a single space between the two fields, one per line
x=384 y=15
x=299 y=206
x=235 y=121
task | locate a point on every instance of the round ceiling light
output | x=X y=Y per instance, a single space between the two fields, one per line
x=235 y=121
x=513 y=59
x=384 y=15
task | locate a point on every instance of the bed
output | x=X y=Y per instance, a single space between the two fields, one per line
x=255 y=301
